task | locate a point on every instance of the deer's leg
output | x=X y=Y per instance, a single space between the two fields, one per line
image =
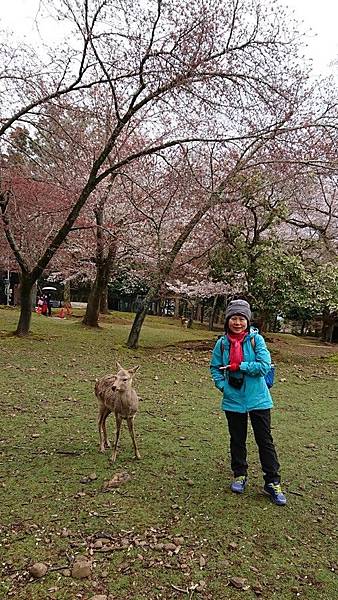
x=103 y=414
x=118 y=419
x=130 y=421
x=104 y=429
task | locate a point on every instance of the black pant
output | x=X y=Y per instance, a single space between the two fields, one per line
x=238 y=429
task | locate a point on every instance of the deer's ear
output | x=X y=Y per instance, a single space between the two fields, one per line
x=134 y=369
x=119 y=366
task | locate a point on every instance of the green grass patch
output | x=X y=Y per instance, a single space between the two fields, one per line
x=54 y=505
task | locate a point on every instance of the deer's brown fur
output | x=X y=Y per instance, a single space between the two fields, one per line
x=116 y=394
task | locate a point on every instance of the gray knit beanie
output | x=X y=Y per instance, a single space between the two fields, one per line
x=238 y=307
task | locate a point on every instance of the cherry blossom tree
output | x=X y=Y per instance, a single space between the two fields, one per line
x=278 y=237
x=162 y=74
x=192 y=196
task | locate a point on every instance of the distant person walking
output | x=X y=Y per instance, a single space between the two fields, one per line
x=49 y=305
x=240 y=360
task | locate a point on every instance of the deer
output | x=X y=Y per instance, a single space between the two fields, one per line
x=116 y=394
x=184 y=322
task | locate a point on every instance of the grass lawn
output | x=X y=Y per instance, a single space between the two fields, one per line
x=174 y=530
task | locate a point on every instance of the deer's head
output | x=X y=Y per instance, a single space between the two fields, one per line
x=123 y=378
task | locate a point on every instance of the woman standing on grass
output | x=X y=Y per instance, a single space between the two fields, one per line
x=239 y=362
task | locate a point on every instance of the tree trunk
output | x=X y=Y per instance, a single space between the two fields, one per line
x=141 y=314
x=66 y=292
x=327 y=328
x=104 y=301
x=91 y=317
x=106 y=270
x=213 y=313
x=34 y=295
x=263 y=321
x=198 y=312
x=26 y=293
x=99 y=289
x=135 y=331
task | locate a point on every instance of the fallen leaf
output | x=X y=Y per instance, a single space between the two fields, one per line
x=118 y=479
x=257 y=589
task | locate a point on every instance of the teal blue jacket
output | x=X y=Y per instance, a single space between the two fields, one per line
x=254 y=393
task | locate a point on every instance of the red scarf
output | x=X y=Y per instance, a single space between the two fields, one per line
x=236 y=349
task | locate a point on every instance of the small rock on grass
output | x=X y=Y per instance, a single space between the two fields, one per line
x=169 y=547
x=89 y=478
x=101 y=542
x=82 y=568
x=238 y=582
x=201 y=586
x=38 y=570
x=65 y=532
x=179 y=540
x=232 y=546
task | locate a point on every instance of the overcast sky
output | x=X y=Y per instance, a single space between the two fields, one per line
x=321 y=16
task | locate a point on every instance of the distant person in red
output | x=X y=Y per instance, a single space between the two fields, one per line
x=39 y=306
x=44 y=308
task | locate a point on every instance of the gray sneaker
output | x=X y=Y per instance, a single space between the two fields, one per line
x=239 y=484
